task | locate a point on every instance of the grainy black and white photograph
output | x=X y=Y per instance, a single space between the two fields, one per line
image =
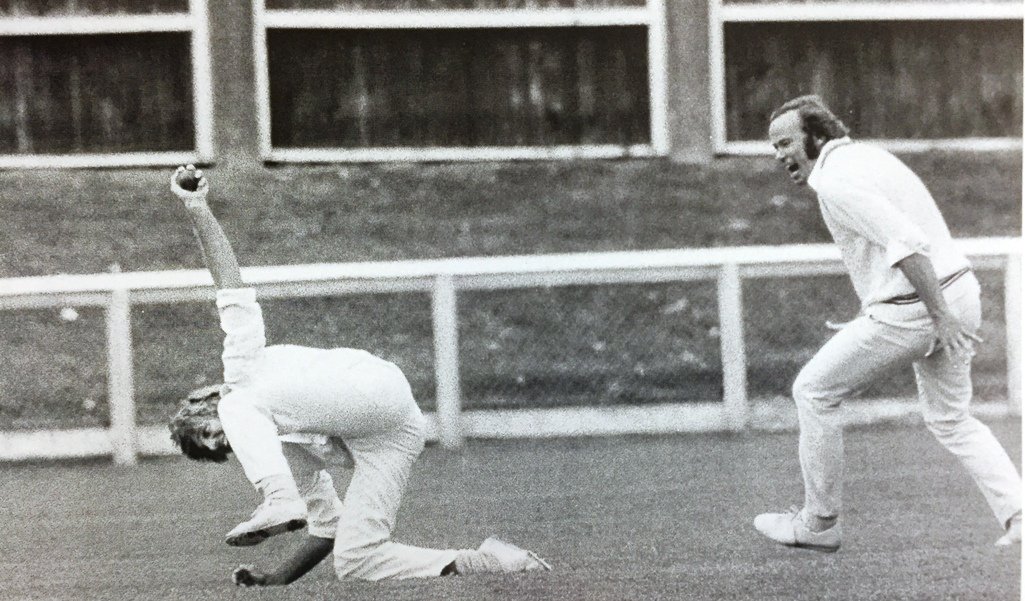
x=511 y=300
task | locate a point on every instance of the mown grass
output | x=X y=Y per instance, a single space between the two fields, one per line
x=549 y=346
x=654 y=517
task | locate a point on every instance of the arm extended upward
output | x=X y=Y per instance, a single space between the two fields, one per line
x=218 y=255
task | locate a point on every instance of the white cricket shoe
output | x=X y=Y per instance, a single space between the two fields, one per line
x=1013 y=534
x=272 y=517
x=790 y=529
x=501 y=556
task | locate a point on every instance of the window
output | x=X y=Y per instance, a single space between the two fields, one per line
x=461 y=80
x=103 y=83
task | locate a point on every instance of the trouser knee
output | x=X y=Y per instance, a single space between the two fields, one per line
x=948 y=426
x=350 y=560
x=810 y=394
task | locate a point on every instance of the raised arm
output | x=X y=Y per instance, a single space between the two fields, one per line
x=217 y=252
x=240 y=314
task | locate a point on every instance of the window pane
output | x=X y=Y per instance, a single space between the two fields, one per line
x=918 y=80
x=487 y=87
x=95 y=93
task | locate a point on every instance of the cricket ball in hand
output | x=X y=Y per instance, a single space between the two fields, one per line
x=188 y=180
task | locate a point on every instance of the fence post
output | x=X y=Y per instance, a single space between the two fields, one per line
x=446 y=361
x=119 y=378
x=731 y=345
x=1012 y=318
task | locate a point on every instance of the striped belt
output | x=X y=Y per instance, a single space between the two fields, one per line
x=908 y=299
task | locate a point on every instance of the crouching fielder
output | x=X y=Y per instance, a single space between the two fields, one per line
x=291 y=414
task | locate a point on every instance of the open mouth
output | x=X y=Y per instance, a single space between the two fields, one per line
x=795 y=172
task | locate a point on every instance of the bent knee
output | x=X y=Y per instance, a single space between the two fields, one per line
x=349 y=562
x=808 y=391
x=948 y=425
x=354 y=562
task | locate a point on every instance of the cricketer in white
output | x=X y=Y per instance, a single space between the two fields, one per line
x=920 y=308
x=290 y=413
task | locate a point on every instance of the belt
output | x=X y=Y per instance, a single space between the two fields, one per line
x=908 y=299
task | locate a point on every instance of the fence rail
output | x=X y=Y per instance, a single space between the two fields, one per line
x=443 y=279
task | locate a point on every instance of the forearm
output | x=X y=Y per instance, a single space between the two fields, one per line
x=217 y=252
x=313 y=550
x=919 y=271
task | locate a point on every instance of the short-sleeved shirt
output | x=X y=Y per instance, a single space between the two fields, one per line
x=879 y=213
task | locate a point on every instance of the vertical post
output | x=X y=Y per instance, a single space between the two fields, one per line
x=119 y=378
x=658 y=76
x=261 y=80
x=690 y=56
x=446 y=361
x=717 y=74
x=731 y=344
x=202 y=80
x=1012 y=318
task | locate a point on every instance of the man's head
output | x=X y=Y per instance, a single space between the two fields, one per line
x=196 y=429
x=798 y=130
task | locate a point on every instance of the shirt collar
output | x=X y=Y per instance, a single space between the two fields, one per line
x=829 y=147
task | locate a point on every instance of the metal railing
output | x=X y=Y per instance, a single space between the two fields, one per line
x=443 y=279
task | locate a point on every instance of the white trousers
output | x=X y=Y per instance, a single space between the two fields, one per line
x=888 y=337
x=383 y=453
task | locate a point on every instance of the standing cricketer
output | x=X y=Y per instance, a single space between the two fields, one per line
x=292 y=413
x=920 y=308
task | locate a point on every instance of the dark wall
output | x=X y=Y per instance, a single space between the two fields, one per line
x=917 y=80
x=358 y=89
x=480 y=87
x=95 y=93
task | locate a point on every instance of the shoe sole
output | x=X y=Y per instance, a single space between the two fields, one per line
x=248 y=539
x=819 y=548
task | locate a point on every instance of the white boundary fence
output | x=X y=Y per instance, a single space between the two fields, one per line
x=443 y=279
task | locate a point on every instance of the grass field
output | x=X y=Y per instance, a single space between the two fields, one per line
x=652 y=518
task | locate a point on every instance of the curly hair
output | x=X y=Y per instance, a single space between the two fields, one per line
x=816 y=119
x=196 y=418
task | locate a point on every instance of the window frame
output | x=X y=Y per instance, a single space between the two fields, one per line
x=721 y=13
x=652 y=16
x=195 y=23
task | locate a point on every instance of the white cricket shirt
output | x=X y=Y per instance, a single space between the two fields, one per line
x=879 y=212
x=305 y=390
x=285 y=380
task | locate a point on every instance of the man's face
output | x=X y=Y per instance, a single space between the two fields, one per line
x=793 y=146
x=213 y=436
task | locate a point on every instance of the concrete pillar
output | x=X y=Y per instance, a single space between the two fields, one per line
x=689 y=95
x=236 y=143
